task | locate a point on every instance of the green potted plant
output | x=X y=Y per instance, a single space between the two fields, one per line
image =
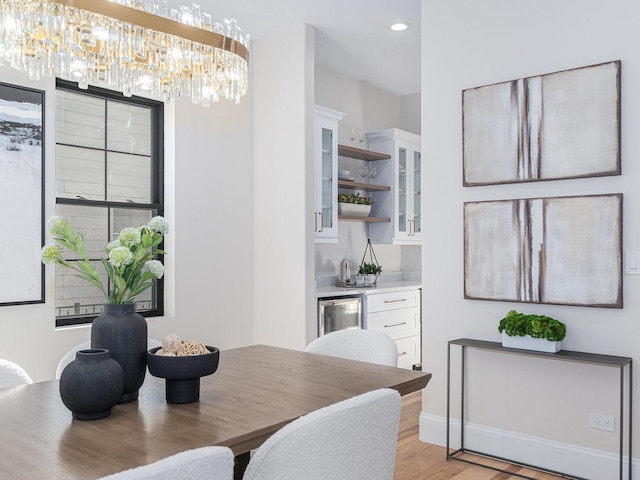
x=354 y=204
x=532 y=332
x=369 y=269
x=368 y=272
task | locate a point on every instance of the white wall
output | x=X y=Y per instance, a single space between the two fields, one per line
x=214 y=224
x=282 y=75
x=467 y=44
x=411 y=112
x=367 y=108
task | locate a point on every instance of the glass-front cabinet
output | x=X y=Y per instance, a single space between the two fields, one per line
x=326 y=175
x=405 y=177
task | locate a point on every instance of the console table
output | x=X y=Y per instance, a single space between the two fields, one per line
x=591 y=358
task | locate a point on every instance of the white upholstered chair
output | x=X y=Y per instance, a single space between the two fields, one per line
x=206 y=463
x=357 y=344
x=354 y=439
x=70 y=356
x=12 y=375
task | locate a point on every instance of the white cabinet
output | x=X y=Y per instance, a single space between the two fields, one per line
x=326 y=175
x=404 y=176
x=397 y=314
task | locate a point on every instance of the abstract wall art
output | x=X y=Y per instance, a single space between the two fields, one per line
x=21 y=194
x=560 y=250
x=555 y=126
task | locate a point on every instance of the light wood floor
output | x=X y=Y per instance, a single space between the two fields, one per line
x=417 y=460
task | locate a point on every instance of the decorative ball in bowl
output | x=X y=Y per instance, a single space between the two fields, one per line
x=183 y=374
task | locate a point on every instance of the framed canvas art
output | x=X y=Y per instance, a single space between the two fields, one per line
x=560 y=250
x=21 y=194
x=555 y=126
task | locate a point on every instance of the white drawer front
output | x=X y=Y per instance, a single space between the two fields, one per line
x=396 y=323
x=380 y=302
x=408 y=351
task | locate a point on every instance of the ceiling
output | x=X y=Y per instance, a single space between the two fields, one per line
x=352 y=36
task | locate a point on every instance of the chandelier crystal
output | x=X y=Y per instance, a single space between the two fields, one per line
x=133 y=46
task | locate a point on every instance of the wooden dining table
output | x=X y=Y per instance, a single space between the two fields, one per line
x=256 y=391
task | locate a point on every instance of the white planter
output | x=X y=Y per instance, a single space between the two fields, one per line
x=529 y=343
x=354 y=209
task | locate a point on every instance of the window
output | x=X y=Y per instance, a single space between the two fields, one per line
x=109 y=175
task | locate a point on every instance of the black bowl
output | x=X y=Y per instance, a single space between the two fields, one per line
x=183 y=373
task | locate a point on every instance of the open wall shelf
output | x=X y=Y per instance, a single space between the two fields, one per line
x=361 y=154
x=368 y=187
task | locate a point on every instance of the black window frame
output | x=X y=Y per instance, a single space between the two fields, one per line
x=157 y=182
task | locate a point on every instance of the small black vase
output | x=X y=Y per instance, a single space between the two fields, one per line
x=91 y=384
x=123 y=332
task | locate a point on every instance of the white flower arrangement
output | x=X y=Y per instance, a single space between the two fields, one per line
x=130 y=264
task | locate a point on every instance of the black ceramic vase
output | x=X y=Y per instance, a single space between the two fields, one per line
x=123 y=332
x=91 y=384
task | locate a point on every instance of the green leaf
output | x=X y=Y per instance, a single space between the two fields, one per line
x=140 y=289
x=66 y=243
x=147 y=276
x=157 y=239
x=67 y=232
x=88 y=269
x=80 y=245
x=108 y=267
x=146 y=238
x=120 y=283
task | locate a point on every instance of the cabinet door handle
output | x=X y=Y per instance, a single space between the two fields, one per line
x=321 y=228
x=402 y=353
x=396 y=301
x=395 y=324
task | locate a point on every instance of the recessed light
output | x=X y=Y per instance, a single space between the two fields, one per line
x=400 y=26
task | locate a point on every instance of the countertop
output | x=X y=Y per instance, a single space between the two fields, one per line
x=393 y=284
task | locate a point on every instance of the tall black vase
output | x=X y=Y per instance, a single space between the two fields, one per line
x=91 y=384
x=123 y=332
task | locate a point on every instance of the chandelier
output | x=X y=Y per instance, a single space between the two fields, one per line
x=133 y=46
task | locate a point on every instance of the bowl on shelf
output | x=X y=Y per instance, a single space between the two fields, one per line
x=183 y=374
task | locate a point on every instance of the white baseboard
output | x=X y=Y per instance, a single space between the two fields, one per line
x=561 y=457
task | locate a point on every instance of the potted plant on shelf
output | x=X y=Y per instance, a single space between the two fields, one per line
x=532 y=332
x=354 y=204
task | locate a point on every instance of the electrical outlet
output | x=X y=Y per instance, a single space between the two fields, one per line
x=602 y=422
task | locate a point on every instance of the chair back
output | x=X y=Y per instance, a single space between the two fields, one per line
x=70 y=356
x=357 y=344
x=12 y=375
x=353 y=439
x=206 y=463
